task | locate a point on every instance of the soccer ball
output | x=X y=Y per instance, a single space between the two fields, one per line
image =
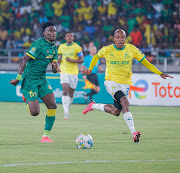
x=84 y=141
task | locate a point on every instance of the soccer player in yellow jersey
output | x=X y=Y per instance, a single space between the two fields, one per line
x=70 y=54
x=119 y=58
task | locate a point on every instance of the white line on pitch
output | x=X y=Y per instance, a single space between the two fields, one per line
x=88 y=161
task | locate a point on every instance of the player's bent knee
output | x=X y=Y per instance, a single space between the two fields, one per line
x=116 y=112
x=34 y=113
x=53 y=106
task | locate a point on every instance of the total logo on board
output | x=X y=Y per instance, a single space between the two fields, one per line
x=141 y=87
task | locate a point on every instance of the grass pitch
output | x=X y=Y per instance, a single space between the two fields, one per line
x=113 y=149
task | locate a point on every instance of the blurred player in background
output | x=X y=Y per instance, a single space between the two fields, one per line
x=93 y=78
x=119 y=58
x=70 y=54
x=32 y=70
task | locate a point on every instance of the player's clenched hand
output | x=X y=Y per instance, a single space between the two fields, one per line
x=86 y=71
x=14 y=82
x=164 y=76
x=56 y=66
x=68 y=59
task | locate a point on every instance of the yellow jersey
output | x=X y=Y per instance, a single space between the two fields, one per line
x=119 y=62
x=70 y=51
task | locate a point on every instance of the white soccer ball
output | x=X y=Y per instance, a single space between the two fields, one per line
x=84 y=141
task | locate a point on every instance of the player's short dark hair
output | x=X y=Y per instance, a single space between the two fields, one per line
x=45 y=25
x=69 y=32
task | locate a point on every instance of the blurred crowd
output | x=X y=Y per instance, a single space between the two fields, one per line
x=149 y=24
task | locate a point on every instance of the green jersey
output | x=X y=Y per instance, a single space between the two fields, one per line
x=42 y=53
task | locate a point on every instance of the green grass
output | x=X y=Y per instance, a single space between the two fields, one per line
x=20 y=136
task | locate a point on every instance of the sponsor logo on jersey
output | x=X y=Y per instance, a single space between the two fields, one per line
x=119 y=63
x=49 y=56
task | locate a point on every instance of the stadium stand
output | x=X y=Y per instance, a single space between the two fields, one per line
x=152 y=25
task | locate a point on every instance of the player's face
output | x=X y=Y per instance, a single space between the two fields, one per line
x=93 y=51
x=119 y=39
x=69 y=38
x=50 y=33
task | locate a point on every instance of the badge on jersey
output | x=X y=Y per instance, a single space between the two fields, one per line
x=33 y=49
x=126 y=55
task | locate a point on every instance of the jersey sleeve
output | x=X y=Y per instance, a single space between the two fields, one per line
x=59 y=50
x=101 y=52
x=34 y=50
x=78 y=49
x=55 y=57
x=138 y=54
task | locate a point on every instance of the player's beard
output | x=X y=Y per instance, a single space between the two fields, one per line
x=53 y=39
x=69 y=42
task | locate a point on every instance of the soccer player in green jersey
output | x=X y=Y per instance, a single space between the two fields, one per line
x=119 y=58
x=32 y=70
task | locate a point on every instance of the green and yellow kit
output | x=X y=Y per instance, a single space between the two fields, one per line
x=34 y=83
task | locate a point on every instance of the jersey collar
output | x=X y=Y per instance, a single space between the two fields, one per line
x=118 y=48
x=68 y=44
x=48 y=42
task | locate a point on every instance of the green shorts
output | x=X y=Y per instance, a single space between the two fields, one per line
x=33 y=89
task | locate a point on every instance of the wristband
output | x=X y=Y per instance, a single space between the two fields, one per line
x=19 y=77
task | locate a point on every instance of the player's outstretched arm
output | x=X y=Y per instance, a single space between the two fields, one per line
x=152 y=68
x=55 y=67
x=92 y=65
x=22 y=65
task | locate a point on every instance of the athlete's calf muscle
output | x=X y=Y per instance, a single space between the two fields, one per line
x=125 y=104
